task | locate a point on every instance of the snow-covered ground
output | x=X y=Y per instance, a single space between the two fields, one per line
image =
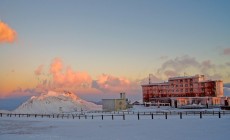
x=174 y=128
x=190 y=127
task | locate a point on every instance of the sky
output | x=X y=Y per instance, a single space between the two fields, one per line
x=100 y=48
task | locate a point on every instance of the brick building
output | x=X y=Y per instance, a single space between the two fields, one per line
x=184 y=90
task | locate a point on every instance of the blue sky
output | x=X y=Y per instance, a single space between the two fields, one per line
x=128 y=39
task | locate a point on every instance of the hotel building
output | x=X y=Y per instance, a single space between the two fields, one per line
x=184 y=90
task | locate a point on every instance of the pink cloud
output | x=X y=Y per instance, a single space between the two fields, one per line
x=226 y=51
x=67 y=78
x=109 y=83
x=6 y=33
x=39 y=70
x=19 y=92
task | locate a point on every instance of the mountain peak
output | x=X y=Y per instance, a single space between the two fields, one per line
x=56 y=102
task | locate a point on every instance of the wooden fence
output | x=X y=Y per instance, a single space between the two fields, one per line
x=123 y=115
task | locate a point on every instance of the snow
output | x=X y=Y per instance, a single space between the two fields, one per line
x=55 y=102
x=189 y=128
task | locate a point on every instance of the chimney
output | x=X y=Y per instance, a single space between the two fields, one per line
x=122 y=95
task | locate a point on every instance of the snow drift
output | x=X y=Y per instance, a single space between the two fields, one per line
x=55 y=102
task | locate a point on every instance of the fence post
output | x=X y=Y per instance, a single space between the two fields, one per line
x=92 y=116
x=166 y=115
x=152 y=115
x=138 y=116
x=213 y=112
x=123 y=116
x=112 y=116
x=102 y=117
x=1 y=114
x=180 y=115
x=200 y=115
x=219 y=115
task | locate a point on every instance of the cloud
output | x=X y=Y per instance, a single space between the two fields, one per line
x=39 y=70
x=226 y=51
x=170 y=73
x=19 y=92
x=67 y=78
x=164 y=57
x=113 y=84
x=6 y=33
x=189 y=65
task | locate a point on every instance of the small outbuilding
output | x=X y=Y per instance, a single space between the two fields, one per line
x=115 y=104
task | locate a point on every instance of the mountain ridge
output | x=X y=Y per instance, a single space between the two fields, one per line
x=55 y=102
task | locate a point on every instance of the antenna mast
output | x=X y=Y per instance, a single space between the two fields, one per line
x=149 y=79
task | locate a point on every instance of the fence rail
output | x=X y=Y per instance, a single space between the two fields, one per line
x=122 y=115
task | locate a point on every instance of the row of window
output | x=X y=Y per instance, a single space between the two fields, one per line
x=185 y=80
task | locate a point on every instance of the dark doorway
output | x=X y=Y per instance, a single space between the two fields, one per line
x=175 y=103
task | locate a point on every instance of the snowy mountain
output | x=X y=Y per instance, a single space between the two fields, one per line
x=54 y=102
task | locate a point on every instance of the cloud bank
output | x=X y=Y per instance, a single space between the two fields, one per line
x=187 y=65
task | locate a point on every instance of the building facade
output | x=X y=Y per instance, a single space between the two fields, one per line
x=115 y=104
x=187 y=89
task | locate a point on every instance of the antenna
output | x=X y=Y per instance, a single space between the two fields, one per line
x=149 y=79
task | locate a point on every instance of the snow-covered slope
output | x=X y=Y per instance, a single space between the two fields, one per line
x=54 y=102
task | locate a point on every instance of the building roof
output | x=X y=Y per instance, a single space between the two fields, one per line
x=156 y=84
x=181 y=77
